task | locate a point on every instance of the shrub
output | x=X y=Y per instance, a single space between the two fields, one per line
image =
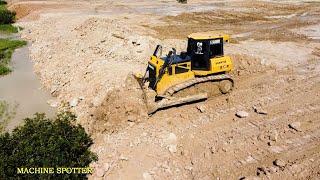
x=4 y=69
x=182 y=1
x=42 y=142
x=7 y=17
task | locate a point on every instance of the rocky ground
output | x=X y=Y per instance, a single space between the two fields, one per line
x=267 y=128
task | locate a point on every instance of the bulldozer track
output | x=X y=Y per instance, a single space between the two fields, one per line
x=214 y=78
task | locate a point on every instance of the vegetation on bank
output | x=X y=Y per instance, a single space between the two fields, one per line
x=8 y=28
x=7 y=46
x=7 y=17
x=42 y=142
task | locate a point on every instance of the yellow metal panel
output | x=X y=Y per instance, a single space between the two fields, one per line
x=218 y=64
x=170 y=80
x=221 y=64
x=201 y=73
x=156 y=62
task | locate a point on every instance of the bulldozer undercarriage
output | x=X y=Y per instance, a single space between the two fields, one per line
x=197 y=89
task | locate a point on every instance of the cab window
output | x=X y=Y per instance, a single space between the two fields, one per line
x=216 y=47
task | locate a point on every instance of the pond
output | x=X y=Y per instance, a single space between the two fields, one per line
x=21 y=88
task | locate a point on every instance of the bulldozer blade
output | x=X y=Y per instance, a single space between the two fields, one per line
x=166 y=103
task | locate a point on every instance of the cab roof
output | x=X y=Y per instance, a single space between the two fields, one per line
x=209 y=35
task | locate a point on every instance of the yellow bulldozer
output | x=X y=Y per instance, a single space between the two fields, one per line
x=191 y=76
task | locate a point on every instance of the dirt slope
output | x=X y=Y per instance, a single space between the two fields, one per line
x=84 y=52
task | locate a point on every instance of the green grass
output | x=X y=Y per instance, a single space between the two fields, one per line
x=7 y=47
x=11 y=44
x=8 y=28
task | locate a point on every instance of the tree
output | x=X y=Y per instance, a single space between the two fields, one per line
x=42 y=142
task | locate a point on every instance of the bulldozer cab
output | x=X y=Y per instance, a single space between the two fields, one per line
x=202 y=47
x=202 y=50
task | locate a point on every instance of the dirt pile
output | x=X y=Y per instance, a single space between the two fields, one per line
x=105 y=51
x=246 y=65
x=120 y=107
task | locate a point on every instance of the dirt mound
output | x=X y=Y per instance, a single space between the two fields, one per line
x=120 y=106
x=245 y=65
x=23 y=10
